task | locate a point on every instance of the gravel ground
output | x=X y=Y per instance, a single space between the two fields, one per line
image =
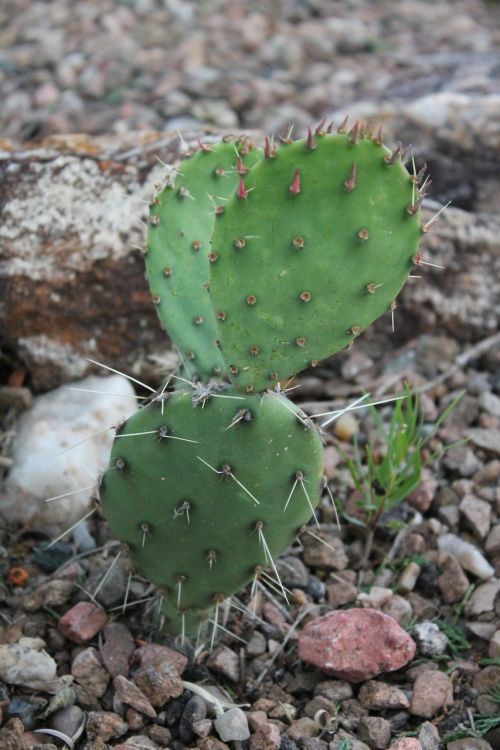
x=81 y=652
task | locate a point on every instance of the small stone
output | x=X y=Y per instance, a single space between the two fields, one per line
x=53 y=594
x=431 y=640
x=432 y=693
x=400 y=609
x=331 y=555
x=334 y=690
x=116 y=649
x=257 y=645
x=25 y=663
x=429 y=736
x=355 y=644
x=153 y=652
x=376 y=695
x=409 y=577
x=23 y=709
x=342 y=738
x=211 y=743
x=159 y=734
x=67 y=720
x=453 y=583
x=105 y=724
x=494 y=650
x=345 y=427
x=485 y=438
x=477 y=515
x=194 y=711
x=487 y=678
x=422 y=497
x=377 y=597
x=225 y=662
x=406 y=743
x=159 y=681
x=492 y=544
x=88 y=670
x=82 y=622
x=232 y=725
x=51 y=558
x=292 y=571
x=134 y=719
x=139 y=742
x=375 y=731
x=467 y=554
x=341 y=593
x=469 y=743
x=267 y=737
x=490 y=403
x=132 y=696
x=299 y=728
x=483 y=598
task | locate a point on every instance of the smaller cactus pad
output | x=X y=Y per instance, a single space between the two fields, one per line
x=206 y=487
x=313 y=246
x=181 y=221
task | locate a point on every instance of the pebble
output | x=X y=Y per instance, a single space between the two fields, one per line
x=137 y=742
x=492 y=545
x=375 y=731
x=409 y=577
x=467 y=554
x=232 y=725
x=477 y=515
x=87 y=669
x=406 y=743
x=194 y=712
x=494 y=649
x=25 y=663
x=345 y=427
x=422 y=497
x=432 y=693
x=334 y=690
x=292 y=572
x=469 y=743
x=159 y=681
x=54 y=593
x=224 y=661
x=355 y=644
x=267 y=737
x=116 y=648
x=49 y=559
x=343 y=738
x=132 y=696
x=106 y=725
x=400 y=609
x=41 y=470
x=67 y=720
x=376 y=695
x=25 y=710
x=429 y=736
x=431 y=640
x=483 y=598
x=154 y=652
x=257 y=645
x=82 y=622
x=487 y=678
x=485 y=438
x=452 y=583
x=331 y=556
x=303 y=727
x=341 y=593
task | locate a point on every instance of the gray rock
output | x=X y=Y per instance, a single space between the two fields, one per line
x=232 y=725
x=490 y=403
x=26 y=663
x=67 y=720
x=375 y=731
x=488 y=439
x=469 y=743
x=467 y=554
x=89 y=671
x=483 y=598
x=477 y=515
x=430 y=639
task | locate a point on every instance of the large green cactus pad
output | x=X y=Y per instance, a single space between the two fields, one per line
x=314 y=245
x=181 y=222
x=201 y=517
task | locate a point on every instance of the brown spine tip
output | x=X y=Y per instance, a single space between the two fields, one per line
x=251 y=299
x=269 y=148
x=320 y=128
x=221 y=315
x=203 y=146
x=168 y=271
x=154 y=220
x=350 y=183
x=413 y=208
x=295 y=186
x=240 y=167
x=330 y=127
x=363 y=234
x=300 y=341
x=298 y=243
x=394 y=155
x=240 y=243
x=354 y=133
x=191 y=355
x=196 y=245
x=310 y=140
x=314 y=362
x=342 y=128
x=249 y=388
x=305 y=296
x=378 y=137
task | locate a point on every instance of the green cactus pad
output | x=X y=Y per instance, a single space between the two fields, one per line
x=313 y=247
x=181 y=222
x=200 y=517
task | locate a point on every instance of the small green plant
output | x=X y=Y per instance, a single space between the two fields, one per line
x=390 y=469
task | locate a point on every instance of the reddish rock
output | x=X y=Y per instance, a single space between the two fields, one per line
x=159 y=681
x=422 y=497
x=377 y=695
x=82 y=622
x=267 y=737
x=453 y=583
x=355 y=644
x=432 y=693
x=117 y=648
x=225 y=662
x=132 y=696
x=153 y=653
x=105 y=725
x=406 y=743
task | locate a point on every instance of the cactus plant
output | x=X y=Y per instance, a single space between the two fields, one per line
x=181 y=221
x=313 y=246
x=205 y=487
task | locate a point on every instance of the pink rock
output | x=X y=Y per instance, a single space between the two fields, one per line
x=82 y=622
x=355 y=644
x=153 y=652
x=422 y=497
x=406 y=743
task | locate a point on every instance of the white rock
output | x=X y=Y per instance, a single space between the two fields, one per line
x=25 y=663
x=467 y=554
x=57 y=421
x=232 y=725
x=431 y=640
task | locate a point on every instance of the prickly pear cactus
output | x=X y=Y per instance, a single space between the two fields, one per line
x=312 y=247
x=206 y=487
x=181 y=222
